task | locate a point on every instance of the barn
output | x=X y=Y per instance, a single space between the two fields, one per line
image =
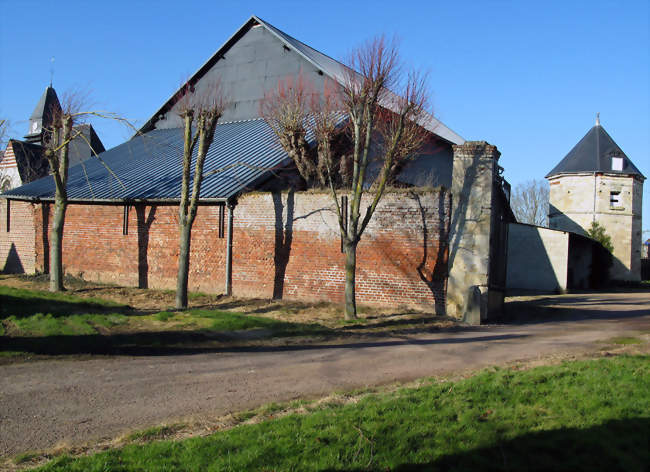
x=255 y=235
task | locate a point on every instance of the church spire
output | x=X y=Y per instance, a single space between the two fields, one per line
x=598 y=119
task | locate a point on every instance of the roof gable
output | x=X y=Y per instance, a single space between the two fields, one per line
x=594 y=153
x=252 y=61
x=30 y=161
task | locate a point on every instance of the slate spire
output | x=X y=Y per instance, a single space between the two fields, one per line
x=43 y=114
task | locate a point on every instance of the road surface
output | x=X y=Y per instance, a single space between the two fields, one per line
x=45 y=403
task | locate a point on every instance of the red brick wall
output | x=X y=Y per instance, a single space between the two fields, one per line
x=95 y=248
x=389 y=254
x=17 y=246
x=399 y=261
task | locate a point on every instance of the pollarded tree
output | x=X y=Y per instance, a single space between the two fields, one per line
x=59 y=134
x=365 y=129
x=200 y=112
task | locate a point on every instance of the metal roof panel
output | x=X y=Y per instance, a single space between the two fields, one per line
x=149 y=166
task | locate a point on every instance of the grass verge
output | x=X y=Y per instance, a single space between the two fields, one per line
x=43 y=323
x=571 y=416
x=37 y=323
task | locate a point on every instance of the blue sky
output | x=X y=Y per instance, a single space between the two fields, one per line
x=528 y=77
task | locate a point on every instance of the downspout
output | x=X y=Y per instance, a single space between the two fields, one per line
x=231 y=206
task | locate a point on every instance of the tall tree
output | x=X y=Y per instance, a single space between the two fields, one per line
x=200 y=112
x=529 y=202
x=381 y=106
x=59 y=134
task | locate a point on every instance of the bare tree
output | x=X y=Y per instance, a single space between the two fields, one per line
x=4 y=133
x=58 y=137
x=5 y=180
x=529 y=202
x=381 y=106
x=200 y=112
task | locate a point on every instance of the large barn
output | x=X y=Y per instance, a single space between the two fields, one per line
x=254 y=235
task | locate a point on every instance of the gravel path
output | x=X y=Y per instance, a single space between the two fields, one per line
x=46 y=403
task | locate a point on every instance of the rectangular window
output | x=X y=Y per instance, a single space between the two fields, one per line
x=615 y=200
x=8 y=215
x=617 y=163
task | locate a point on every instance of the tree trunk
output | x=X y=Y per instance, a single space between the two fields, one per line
x=183 y=266
x=350 y=281
x=56 y=246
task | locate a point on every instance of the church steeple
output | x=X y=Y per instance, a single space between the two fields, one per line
x=42 y=116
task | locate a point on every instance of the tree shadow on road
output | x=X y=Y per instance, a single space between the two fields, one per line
x=186 y=343
x=572 y=308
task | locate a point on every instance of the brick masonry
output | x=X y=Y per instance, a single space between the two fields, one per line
x=284 y=245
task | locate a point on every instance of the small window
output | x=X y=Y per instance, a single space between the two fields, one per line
x=617 y=163
x=615 y=200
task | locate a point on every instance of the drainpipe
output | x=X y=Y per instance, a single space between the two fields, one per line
x=231 y=206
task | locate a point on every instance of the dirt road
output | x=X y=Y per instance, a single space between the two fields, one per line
x=48 y=402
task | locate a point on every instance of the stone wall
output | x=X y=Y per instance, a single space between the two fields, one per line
x=545 y=250
x=471 y=232
x=284 y=245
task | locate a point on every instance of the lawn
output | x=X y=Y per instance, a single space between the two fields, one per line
x=100 y=319
x=581 y=415
x=39 y=322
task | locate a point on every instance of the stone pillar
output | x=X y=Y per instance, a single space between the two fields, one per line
x=473 y=187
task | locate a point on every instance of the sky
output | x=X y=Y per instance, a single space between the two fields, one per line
x=528 y=77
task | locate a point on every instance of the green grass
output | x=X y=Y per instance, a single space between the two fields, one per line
x=25 y=457
x=44 y=323
x=230 y=321
x=156 y=432
x=76 y=324
x=625 y=340
x=22 y=302
x=589 y=415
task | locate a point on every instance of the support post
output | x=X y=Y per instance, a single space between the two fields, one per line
x=471 y=231
x=231 y=207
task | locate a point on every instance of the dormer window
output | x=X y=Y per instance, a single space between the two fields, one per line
x=617 y=163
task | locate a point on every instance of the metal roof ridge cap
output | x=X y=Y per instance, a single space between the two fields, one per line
x=258 y=118
x=270 y=28
x=304 y=44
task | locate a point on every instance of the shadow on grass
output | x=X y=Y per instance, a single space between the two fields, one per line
x=613 y=446
x=185 y=343
x=30 y=302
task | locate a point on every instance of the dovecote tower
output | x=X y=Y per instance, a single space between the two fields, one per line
x=596 y=181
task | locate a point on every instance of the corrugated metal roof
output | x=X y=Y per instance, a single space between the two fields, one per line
x=149 y=166
x=594 y=153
